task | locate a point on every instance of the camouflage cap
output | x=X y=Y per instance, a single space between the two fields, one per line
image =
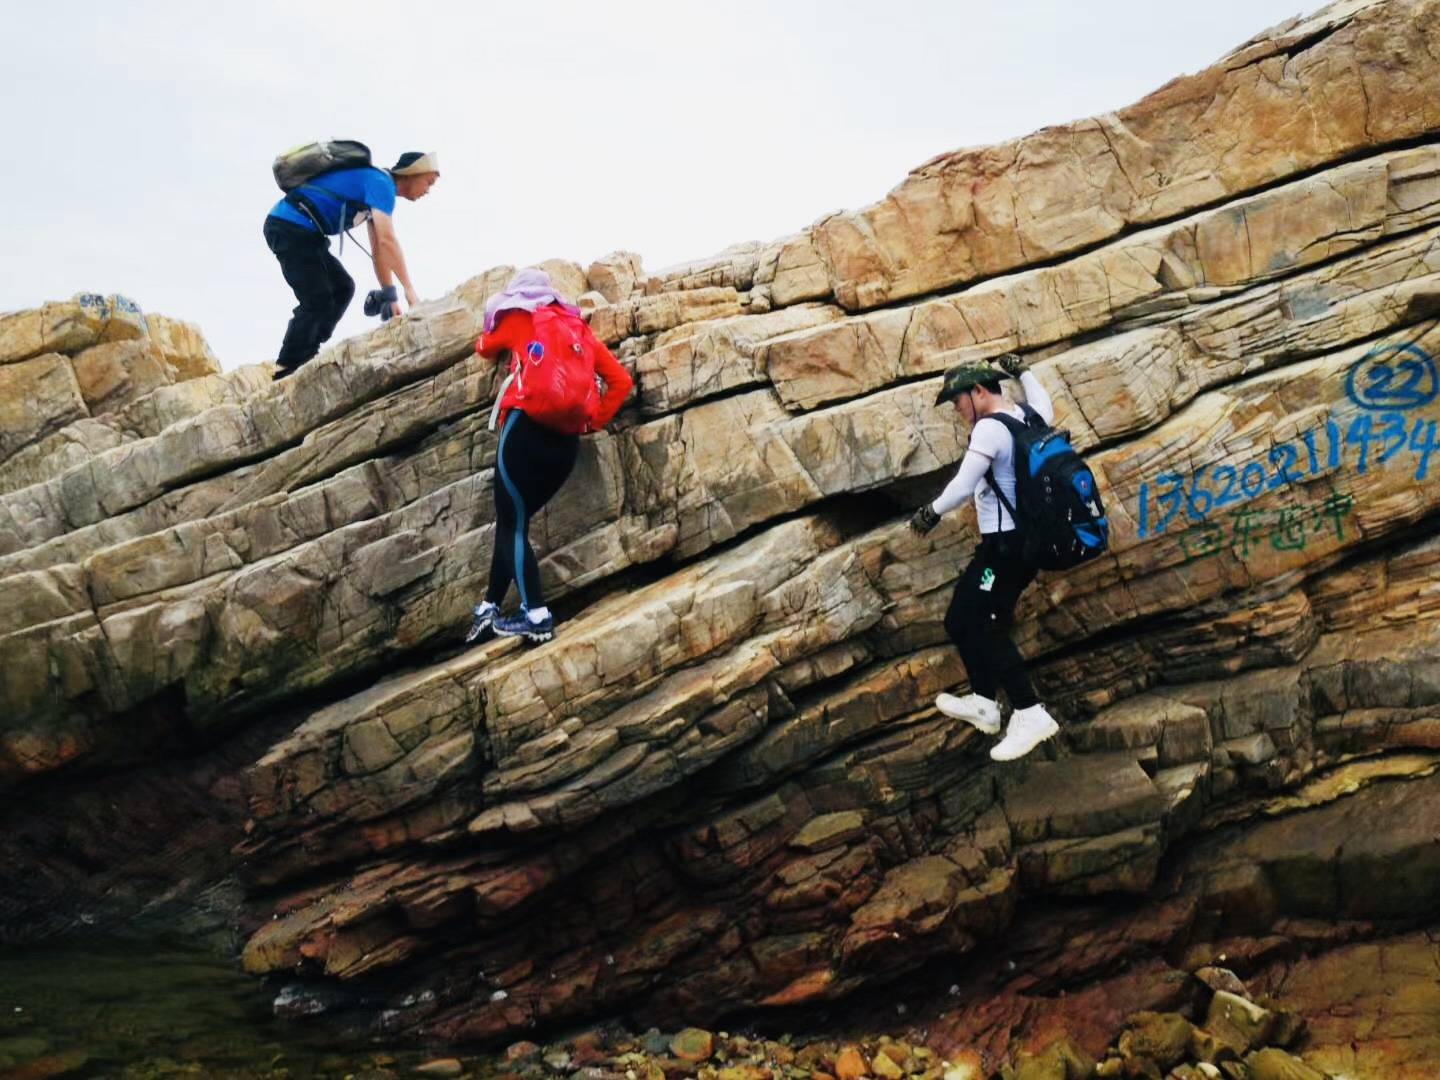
x=962 y=377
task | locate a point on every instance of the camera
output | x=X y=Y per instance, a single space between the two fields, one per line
x=378 y=301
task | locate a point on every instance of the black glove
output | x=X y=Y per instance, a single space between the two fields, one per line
x=924 y=520
x=1011 y=364
x=379 y=301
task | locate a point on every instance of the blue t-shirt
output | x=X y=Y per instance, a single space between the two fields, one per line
x=359 y=190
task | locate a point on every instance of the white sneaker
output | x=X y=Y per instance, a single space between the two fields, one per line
x=1028 y=729
x=979 y=712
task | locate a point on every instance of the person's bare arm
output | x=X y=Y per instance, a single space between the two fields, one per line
x=388 y=258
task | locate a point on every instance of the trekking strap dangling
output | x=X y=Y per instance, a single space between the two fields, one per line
x=358 y=244
x=341 y=228
x=500 y=393
x=305 y=208
x=499 y=397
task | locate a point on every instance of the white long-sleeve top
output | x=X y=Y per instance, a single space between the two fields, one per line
x=992 y=445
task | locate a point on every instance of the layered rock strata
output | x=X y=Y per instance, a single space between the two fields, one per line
x=722 y=786
x=81 y=376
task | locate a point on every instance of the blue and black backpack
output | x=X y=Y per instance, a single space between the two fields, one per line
x=1059 y=513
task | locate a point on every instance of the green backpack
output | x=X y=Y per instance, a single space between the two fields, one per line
x=301 y=164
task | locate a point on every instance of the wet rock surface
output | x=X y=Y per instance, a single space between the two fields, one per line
x=723 y=788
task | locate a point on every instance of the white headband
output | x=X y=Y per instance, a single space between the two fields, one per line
x=425 y=163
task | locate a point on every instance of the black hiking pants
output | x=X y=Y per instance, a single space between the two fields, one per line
x=320 y=283
x=980 y=614
x=531 y=465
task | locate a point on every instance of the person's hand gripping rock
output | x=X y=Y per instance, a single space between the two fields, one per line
x=924 y=520
x=1012 y=364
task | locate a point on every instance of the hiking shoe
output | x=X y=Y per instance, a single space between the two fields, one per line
x=979 y=712
x=282 y=370
x=483 y=626
x=521 y=625
x=1028 y=729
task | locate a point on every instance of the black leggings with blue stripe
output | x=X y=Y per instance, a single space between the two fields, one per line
x=531 y=465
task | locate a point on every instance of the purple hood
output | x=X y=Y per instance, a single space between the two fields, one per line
x=528 y=290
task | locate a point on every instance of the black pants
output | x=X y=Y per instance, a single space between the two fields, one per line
x=321 y=285
x=531 y=465
x=980 y=615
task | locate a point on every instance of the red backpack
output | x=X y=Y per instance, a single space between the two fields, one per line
x=553 y=380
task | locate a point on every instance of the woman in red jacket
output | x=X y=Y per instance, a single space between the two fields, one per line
x=531 y=321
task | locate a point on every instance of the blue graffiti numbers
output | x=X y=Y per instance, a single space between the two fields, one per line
x=1286 y=528
x=1393 y=377
x=1368 y=441
x=1387 y=383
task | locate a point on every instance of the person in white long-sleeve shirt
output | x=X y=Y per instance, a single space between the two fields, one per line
x=981 y=611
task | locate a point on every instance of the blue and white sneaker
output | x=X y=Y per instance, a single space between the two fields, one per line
x=482 y=628
x=525 y=624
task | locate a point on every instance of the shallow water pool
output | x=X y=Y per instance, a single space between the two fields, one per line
x=138 y=1011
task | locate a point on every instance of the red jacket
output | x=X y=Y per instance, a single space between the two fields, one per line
x=514 y=331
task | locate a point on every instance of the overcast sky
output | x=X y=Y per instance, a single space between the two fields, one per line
x=140 y=135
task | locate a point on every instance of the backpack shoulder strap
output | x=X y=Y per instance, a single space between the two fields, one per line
x=1012 y=425
x=1032 y=417
x=1015 y=427
x=990 y=478
x=1032 y=421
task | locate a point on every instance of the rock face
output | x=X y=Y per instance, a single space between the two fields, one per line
x=723 y=785
x=84 y=375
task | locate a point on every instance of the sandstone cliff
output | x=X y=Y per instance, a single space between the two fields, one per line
x=723 y=787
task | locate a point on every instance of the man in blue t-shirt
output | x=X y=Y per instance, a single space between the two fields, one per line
x=296 y=232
